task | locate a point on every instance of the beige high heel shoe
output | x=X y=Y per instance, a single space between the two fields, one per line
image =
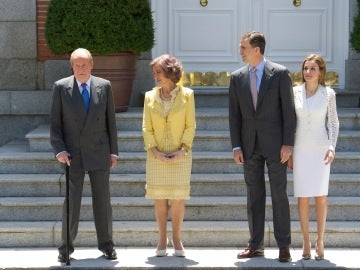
x=306 y=255
x=162 y=252
x=319 y=250
x=178 y=252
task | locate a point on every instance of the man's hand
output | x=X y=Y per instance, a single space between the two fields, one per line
x=285 y=153
x=64 y=157
x=290 y=163
x=238 y=156
x=113 y=161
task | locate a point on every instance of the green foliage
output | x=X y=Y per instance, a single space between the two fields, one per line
x=101 y=26
x=355 y=35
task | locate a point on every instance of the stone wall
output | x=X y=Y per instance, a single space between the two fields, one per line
x=19 y=69
x=18 y=66
x=26 y=80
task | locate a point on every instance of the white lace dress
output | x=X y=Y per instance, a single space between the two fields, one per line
x=317 y=131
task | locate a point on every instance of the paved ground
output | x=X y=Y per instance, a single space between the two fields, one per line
x=200 y=258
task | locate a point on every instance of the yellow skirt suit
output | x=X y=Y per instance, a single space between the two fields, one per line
x=167 y=126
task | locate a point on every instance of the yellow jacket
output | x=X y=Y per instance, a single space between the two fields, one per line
x=180 y=120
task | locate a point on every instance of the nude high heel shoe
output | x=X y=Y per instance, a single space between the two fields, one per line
x=162 y=252
x=306 y=255
x=178 y=252
x=319 y=250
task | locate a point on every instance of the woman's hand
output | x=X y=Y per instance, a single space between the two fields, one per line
x=176 y=155
x=169 y=157
x=329 y=157
x=159 y=155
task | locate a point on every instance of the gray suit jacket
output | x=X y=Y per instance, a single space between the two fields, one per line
x=274 y=120
x=89 y=137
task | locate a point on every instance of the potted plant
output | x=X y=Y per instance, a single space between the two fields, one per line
x=114 y=31
x=355 y=34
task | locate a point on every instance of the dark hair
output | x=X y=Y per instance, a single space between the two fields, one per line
x=320 y=62
x=172 y=67
x=256 y=39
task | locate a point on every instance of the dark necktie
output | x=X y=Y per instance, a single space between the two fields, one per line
x=85 y=96
x=254 y=91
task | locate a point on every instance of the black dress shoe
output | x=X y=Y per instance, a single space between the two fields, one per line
x=62 y=253
x=62 y=257
x=284 y=255
x=110 y=253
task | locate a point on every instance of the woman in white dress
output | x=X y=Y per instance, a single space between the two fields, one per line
x=314 y=150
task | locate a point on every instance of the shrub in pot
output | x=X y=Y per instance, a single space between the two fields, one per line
x=355 y=34
x=108 y=29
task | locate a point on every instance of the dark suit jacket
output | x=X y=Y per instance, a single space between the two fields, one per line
x=90 y=137
x=274 y=120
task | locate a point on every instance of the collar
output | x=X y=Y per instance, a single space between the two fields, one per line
x=88 y=83
x=173 y=93
x=260 y=67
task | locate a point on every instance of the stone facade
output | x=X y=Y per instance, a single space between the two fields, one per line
x=26 y=79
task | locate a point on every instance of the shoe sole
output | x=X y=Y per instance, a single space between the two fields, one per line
x=255 y=254
x=285 y=260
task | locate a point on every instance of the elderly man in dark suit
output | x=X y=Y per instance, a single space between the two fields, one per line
x=83 y=135
x=262 y=127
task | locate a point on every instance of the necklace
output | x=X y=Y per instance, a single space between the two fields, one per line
x=163 y=96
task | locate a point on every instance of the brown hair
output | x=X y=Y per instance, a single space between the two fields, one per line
x=172 y=67
x=256 y=39
x=320 y=62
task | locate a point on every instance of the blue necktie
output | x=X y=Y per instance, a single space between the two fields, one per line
x=85 y=96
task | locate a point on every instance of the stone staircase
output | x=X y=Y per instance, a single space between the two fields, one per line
x=32 y=187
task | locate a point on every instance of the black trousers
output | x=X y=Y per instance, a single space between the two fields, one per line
x=254 y=170
x=102 y=210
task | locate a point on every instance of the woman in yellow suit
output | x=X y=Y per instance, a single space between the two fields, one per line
x=168 y=130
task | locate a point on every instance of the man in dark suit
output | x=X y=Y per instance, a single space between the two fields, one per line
x=83 y=135
x=262 y=127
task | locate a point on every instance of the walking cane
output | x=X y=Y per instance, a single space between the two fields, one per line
x=67 y=215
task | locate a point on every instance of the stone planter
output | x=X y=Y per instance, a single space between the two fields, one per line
x=120 y=70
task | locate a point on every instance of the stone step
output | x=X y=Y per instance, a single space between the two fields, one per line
x=134 y=162
x=216 y=140
x=346 y=98
x=204 y=208
x=210 y=96
x=133 y=185
x=206 y=119
x=349 y=118
x=217 y=119
x=194 y=234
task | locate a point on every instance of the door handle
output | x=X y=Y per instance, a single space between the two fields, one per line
x=203 y=3
x=297 y=3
